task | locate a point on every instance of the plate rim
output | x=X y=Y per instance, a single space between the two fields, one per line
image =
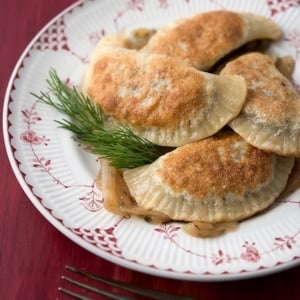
x=58 y=224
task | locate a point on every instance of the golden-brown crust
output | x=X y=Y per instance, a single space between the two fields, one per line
x=146 y=90
x=271 y=98
x=200 y=34
x=207 y=162
x=219 y=179
x=270 y=117
x=205 y=38
x=161 y=98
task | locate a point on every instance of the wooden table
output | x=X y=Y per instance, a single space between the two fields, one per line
x=33 y=253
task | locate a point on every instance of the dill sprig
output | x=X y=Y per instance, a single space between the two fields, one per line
x=120 y=145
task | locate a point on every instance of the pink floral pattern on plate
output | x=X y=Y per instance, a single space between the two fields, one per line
x=280 y=6
x=92 y=200
x=106 y=240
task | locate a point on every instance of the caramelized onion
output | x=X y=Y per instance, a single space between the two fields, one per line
x=117 y=198
x=200 y=229
x=286 y=65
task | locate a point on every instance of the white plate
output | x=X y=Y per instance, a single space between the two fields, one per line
x=58 y=176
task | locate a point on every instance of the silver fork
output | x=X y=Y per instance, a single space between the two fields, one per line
x=150 y=294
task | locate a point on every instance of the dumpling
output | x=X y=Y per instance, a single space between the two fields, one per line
x=270 y=118
x=293 y=183
x=136 y=39
x=161 y=98
x=202 y=40
x=218 y=179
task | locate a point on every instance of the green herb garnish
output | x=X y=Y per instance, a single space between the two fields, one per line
x=120 y=145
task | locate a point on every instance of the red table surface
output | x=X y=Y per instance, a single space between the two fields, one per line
x=33 y=253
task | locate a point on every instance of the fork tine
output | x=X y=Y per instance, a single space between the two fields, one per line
x=73 y=294
x=92 y=289
x=130 y=287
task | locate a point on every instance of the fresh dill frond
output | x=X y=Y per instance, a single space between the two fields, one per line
x=120 y=145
